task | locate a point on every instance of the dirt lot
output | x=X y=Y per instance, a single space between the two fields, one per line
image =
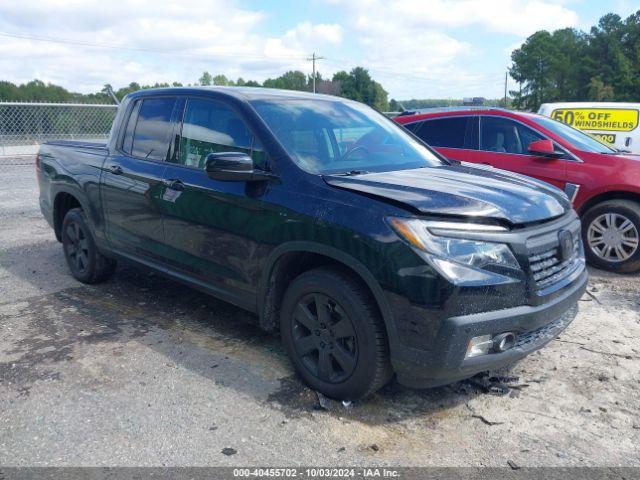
x=143 y=371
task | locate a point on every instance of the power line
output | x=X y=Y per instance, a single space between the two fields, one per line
x=396 y=75
x=337 y=62
x=65 y=41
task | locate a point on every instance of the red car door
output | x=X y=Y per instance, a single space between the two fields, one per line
x=504 y=143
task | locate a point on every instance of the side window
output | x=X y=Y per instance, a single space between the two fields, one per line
x=153 y=128
x=444 y=132
x=472 y=139
x=503 y=135
x=127 y=141
x=209 y=126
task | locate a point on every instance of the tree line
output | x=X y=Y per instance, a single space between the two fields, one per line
x=356 y=84
x=571 y=65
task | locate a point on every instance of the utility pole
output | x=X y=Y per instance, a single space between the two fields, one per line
x=313 y=59
x=506 y=75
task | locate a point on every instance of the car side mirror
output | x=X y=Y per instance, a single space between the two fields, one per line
x=234 y=167
x=544 y=148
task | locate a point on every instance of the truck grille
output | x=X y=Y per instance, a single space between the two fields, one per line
x=548 y=268
x=547 y=332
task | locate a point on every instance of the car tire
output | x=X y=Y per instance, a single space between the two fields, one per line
x=609 y=224
x=86 y=263
x=342 y=353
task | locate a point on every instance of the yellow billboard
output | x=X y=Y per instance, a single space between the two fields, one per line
x=603 y=119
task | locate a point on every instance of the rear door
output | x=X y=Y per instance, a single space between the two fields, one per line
x=132 y=185
x=454 y=137
x=211 y=227
x=504 y=143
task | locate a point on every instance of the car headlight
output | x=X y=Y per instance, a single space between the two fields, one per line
x=461 y=261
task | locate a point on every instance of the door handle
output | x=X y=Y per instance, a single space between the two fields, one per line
x=174 y=184
x=116 y=169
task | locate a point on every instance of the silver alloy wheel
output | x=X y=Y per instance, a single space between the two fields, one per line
x=613 y=237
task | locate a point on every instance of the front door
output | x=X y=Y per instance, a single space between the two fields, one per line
x=211 y=226
x=132 y=179
x=504 y=143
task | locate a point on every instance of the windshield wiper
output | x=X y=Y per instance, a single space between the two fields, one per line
x=351 y=173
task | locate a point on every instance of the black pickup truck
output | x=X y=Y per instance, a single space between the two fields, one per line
x=370 y=253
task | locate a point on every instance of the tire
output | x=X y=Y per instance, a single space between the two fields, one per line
x=350 y=337
x=86 y=263
x=610 y=223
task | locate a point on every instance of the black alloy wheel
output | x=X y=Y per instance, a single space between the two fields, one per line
x=334 y=334
x=77 y=247
x=86 y=262
x=324 y=338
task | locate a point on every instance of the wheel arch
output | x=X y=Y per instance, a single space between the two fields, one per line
x=64 y=200
x=290 y=260
x=610 y=195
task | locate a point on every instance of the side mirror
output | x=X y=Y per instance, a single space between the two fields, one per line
x=234 y=167
x=544 y=148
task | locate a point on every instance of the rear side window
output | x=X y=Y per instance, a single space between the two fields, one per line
x=153 y=128
x=209 y=126
x=444 y=132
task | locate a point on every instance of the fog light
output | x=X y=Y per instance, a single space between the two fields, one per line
x=504 y=342
x=479 y=346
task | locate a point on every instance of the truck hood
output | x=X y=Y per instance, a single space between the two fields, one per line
x=462 y=190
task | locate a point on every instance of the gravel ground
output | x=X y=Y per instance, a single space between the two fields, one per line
x=143 y=371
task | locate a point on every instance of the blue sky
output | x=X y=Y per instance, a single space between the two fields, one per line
x=415 y=48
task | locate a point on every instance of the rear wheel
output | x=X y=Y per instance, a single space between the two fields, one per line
x=334 y=335
x=611 y=233
x=86 y=263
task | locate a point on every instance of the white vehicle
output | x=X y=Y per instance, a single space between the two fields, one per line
x=611 y=122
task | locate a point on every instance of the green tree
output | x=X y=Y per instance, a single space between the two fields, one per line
x=549 y=67
x=206 y=79
x=221 y=81
x=358 y=85
x=291 y=80
x=599 y=91
x=568 y=65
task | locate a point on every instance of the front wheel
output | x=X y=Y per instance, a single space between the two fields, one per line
x=611 y=233
x=333 y=333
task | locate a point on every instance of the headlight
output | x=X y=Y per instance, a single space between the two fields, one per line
x=463 y=262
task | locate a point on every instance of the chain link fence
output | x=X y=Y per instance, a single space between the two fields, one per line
x=24 y=126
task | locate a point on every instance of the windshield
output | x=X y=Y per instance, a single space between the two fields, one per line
x=577 y=138
x=329 y=137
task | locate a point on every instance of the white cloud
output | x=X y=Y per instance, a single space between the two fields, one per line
x=157 y=40
x=306 y=33
x=412 y=46
x=515 y=17
x=415 y=48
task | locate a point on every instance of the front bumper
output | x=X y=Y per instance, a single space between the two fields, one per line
x=535 y=326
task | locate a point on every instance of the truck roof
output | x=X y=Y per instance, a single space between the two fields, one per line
x=240 y=93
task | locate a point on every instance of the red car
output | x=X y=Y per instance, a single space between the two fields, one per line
x=602 y=183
